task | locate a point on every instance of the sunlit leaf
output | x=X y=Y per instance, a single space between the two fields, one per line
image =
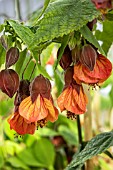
x=62 y=17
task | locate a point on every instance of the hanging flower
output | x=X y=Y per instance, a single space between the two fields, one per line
x=39 y=105
x=72 y=98
x=20 y=125
x=100 y=73
x=16 y=121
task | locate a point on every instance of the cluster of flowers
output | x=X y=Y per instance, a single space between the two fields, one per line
x=90 y=68
x=33 y=102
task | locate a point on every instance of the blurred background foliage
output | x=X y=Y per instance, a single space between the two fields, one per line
x=53 y=146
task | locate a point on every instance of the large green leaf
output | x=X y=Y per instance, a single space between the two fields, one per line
x=44 y=152
x=95 y=146
x=22 y=31
x=62 y=17
x=106 y=36
x=27 y=157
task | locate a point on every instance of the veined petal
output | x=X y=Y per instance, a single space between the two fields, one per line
x=18 y=123
x=81 y=99
x=61 y=98
x=52 y=110
x=33 y=111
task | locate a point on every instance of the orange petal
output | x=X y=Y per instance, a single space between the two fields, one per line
x=19 y=124
x=33 y=111
x=52 y=110
x=60 y=100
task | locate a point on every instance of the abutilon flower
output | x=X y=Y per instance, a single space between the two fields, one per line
x=73 y=98
x=39 y=105
x=100 y=73
x=21 y=125
x=16 y=121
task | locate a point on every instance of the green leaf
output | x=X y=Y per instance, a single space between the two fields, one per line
x=21 y=60
x=22 y=31
x=63 y=17
x=17 y=163
x=62 y=48
x=95 y=146
x=88 y=35
x=106 y=36
x=28 y=158
x=44 y=8
x=2 y=55
x=45 y=153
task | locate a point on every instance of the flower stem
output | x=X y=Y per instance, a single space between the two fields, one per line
x=79 y=130
x=80 y=135
x=26 y=67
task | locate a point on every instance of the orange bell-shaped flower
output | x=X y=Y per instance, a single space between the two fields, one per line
x=72 y=98
x=100 y=73
x=20 y=125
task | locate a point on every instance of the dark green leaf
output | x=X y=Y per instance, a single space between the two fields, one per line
x=106 y=36
x=62 y=17
x=45 y=153
x=95 y=146
x=88 y=35
x=22 y=31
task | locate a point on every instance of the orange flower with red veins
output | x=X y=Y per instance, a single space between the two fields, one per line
x=100 y=73
x=72 y=98
x=20 y=125
x=39 y=105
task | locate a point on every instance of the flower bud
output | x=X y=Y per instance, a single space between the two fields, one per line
x=12 y=56
x=9 y=82
x=66 y=59
x=88 y=56
x=40 y=85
